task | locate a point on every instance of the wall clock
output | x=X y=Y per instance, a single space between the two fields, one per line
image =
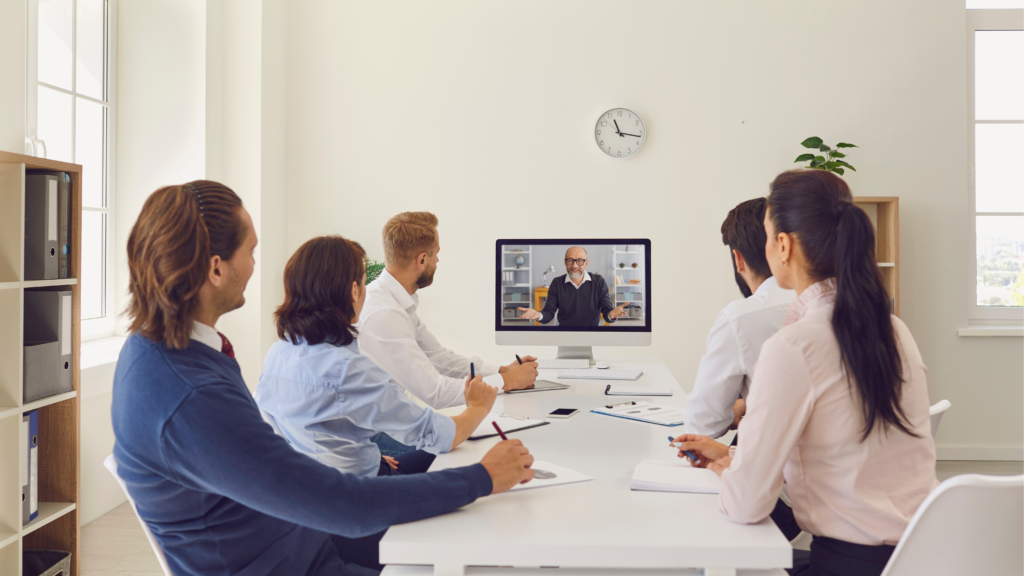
x=620 y=133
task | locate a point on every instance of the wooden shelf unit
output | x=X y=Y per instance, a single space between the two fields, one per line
x=58 y=526
x=884 y=212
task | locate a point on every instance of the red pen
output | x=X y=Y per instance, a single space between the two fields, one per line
x=500 y=433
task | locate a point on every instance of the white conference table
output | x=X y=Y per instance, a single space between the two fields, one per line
x=596 y=524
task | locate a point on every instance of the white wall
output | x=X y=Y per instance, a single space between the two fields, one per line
x=12 y=87
x=458 y=107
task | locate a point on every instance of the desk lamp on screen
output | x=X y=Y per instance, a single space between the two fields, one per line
x=598 y=295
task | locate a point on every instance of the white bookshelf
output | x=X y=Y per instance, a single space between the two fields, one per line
x=622 y=277
x=522 y=282
x=57 y=525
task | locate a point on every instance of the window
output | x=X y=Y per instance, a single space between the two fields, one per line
x=995 y=61
x=71 y=118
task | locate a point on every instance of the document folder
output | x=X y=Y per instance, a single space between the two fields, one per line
x=42 y=232
x=48 y=318
x=30 y=506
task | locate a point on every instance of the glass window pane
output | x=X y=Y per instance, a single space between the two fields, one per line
x=89 y=36
x=975 y=4
x=54 y=43
x=89 y=151
x=92 y=277
x=54 y=123
x=998 y=167
x=999 y=75
x=1000 y=259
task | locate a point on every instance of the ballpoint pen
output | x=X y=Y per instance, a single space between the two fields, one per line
x=689 y=454
x=498 y=428
x=518 y=359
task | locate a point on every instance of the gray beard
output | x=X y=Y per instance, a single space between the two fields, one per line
x=575 y=275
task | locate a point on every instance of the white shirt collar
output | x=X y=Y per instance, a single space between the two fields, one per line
x=769 y=284
x=586 y=276
x=398 y=292
x=206 y=335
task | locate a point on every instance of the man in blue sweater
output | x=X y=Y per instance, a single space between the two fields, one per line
x=220 y=491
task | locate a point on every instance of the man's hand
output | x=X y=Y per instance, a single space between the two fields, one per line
x=508 y=463
x=618 y=311
x=530 y=314
x=504 y=369
x=738 y=410
x=479 y=395
x=707 y=450
x=518 y=376
x=391 y=462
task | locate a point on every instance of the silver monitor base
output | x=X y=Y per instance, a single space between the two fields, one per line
x=574 y=352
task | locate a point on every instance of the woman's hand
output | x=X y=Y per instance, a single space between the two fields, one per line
x=707 y=450
x=719 y=466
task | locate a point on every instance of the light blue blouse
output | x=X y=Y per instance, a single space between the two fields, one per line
x=328 y=401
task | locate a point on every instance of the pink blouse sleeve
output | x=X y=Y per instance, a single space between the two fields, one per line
x=778 y=408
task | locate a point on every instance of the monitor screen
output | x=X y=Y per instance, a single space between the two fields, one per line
x=573 y=285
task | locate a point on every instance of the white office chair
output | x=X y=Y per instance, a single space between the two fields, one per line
x=970 y=524
x=111 y=464
x=937 y=411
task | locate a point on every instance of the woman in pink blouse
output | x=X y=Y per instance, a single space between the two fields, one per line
x=838 y=406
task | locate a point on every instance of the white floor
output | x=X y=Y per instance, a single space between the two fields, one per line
x=114 y=544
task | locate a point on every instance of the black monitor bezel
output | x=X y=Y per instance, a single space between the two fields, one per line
x=648 y=325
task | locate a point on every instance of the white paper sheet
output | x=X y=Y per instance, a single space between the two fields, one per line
x=553 y=476
x=674 y=476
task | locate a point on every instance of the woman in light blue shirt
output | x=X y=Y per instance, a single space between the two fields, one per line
x=325 y=398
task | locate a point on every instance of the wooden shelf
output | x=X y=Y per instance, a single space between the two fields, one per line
x=884 y=212
x=48 y=512
x=9 y=285
x=55 y=282
x=6 y=411
x=8 y=538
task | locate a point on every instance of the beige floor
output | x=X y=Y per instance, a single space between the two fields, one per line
x=115 y=544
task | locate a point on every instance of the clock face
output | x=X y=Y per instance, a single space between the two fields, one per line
x=620 y=133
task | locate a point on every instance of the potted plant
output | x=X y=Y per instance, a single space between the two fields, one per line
x=832 y=161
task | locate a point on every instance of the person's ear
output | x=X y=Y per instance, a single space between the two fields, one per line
x=421 y=261
x=216 y=273
x=785 y=241
x=741 y=264
x=355 y=292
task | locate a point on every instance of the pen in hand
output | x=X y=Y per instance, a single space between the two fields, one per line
x=472 y=372
x=689 y=454
x=518 y=359
x=498 y=428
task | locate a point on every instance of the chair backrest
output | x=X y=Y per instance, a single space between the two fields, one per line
x=936 y=412
x=110 y=463
x=970 y=524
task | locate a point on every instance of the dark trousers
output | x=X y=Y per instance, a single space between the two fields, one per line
x=831 y=557
x=415 y=462
x=782 y=515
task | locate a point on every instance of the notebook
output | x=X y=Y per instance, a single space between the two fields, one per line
x=508 y=425
x=548 y=474
x=644 y=412
x=674 y=476
x=630 y=390
x=595 y=374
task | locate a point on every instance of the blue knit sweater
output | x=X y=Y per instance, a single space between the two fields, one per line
x=224 y=495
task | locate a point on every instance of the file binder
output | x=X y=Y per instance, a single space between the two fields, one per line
x=48 y=319
x=30 y=506
x=42 y=233
x=64 y=219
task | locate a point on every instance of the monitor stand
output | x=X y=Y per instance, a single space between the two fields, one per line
x=573 y=352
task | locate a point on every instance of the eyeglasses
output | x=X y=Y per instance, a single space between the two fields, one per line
x=578 y=261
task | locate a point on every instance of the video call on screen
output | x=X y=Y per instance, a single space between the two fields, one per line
x=528 y=271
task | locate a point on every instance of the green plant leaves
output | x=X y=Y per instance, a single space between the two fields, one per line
x=842 y=163
x=839 y=171
x=838 y=154
x=845 y=145
x=812 y=142
x=804 y=158
x=819 y=159
x=824 y=148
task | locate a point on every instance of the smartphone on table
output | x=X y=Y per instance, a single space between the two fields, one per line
x=564 y=413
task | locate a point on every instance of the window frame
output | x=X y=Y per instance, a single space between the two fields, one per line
x=105 y=325
x=985 y=20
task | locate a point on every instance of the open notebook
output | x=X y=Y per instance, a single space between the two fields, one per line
x=508 y=426
x=674 y=476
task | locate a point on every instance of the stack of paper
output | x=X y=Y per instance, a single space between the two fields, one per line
x=644 y=412
x=508 y=425
x=674 y=476
x=634 y=390
x=588 y=374
x=548 y=474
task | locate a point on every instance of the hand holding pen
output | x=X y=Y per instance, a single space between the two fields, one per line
x=701 y=450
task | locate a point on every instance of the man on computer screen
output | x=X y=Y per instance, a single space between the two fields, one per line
x=579 y=297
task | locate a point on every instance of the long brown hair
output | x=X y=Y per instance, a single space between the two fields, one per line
x=318 y=281
x=179 y=229
x=839 y=242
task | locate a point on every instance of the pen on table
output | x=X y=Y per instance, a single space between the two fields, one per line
x=472 y=372
x=518 y=359
x=498 y=428
x=689 y=454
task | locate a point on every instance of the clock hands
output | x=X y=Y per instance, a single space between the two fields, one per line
x=622 y=134
x=633 y=135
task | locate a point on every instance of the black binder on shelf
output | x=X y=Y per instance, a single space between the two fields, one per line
x=63 y=248
x=30 y=467
x=42 y=229
x=48 y=345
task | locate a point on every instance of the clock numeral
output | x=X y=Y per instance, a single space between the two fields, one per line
x=620 y=152
x=601 y=143
x=604 y=124
x=629 y=150
x=598 y=132
x=620 y=113
x=609 y=149
x=637 y=142
x=637 y=122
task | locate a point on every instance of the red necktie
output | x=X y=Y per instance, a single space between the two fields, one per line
x=225 y=346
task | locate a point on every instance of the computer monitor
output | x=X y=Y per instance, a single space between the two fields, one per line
x=576 y=299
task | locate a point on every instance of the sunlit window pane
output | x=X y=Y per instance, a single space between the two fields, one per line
x=92 y=277
x=975 y=4
x=54 y=48
x=999 y=75
x=1000 y=259
x=54 y=123
x=999 y=167
x=91 y=16
x=89 y=151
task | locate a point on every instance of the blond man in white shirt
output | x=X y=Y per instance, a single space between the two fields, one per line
x=392 y=335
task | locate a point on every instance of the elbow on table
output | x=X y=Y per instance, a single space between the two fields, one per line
x=744 y=512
